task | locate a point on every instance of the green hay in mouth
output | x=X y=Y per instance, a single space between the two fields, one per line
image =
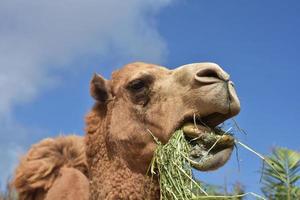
x=174 y=169
x=172 y=164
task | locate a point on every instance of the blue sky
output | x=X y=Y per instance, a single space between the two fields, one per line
x=49 y=51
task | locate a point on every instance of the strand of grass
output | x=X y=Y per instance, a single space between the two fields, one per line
x=153 y=136
x=171 y=192
x=195 y=123
x=206 y=154
x=226 y=86
x=194 y=119
x=160 y=186
x=180 y=178
x=237 y=157
x=202 y=190
x=262 y=172
x=238 y=127
x=212 y=146
x=166 y=176
x=215 y=143
x=230 y=197
x=189 y=176
x=172 y=182
x=260 y=156
x=183 y=185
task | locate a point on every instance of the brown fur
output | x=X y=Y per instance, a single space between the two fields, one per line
x=40 y=167
x=111 y=178
x=69 y=185
x=139 y=98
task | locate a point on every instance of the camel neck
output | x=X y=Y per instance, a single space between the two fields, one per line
x=110 y=177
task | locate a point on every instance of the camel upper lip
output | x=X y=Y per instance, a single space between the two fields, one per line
x=209 y=121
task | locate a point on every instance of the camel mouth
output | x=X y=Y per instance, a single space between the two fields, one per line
x=211 y=147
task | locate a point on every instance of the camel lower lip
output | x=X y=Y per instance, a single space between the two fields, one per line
x=210 y=147
x=212 y=161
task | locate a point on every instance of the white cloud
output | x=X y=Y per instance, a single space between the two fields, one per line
x=39 y=37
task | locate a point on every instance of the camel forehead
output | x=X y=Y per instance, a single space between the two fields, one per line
x=134 y=70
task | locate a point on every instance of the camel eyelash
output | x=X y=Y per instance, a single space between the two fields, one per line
x=140 y=84
x=137 y=85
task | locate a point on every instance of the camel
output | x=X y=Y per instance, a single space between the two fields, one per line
x=110 y=162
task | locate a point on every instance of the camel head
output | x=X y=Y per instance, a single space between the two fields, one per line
x=144 y=98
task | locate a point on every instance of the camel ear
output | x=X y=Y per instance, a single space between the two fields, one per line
x=100 y=89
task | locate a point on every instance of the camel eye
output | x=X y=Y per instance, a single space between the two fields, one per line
x=137 y=85
x=139 y=91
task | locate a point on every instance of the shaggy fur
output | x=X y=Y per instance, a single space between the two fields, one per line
x=41 y=166
x=111 y=178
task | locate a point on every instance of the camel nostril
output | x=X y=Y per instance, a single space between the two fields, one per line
x=209 y=73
